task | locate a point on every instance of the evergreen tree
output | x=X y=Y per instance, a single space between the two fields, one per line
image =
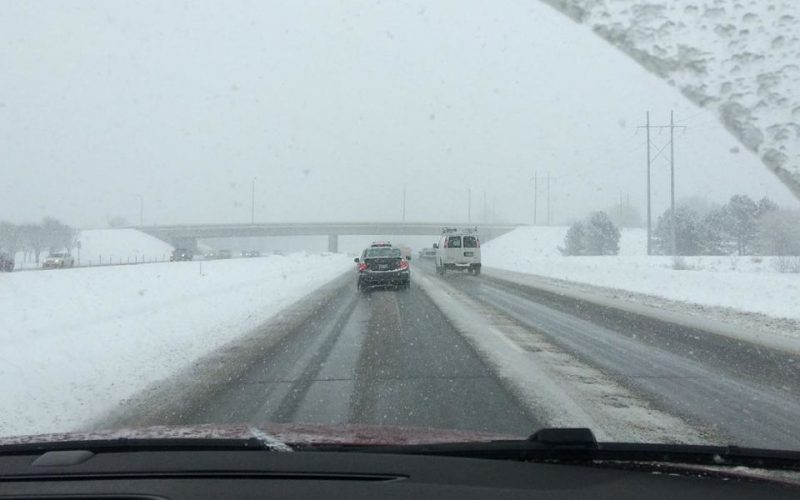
x=602 y=236
x=574 y=241
x=687 y=232
x=741 y=221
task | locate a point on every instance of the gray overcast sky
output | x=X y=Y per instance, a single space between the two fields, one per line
x=332 y=106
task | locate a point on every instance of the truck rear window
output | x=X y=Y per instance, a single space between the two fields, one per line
x=470 y=242
x=454 y=242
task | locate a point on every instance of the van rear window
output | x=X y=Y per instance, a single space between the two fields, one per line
x=454 y=241
x=470 y=242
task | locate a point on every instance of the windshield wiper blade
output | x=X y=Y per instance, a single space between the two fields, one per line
x=149 y=444
x=578 y=445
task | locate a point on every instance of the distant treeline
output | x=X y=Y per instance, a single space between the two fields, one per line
x=51 y=235
x=740 y=227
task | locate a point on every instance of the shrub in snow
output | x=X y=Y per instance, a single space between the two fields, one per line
x=602 y=236
x=741 y=221
x=597 y=235
x=713 y=237
x=687 y=232
x=679 y=264
x=573 y=241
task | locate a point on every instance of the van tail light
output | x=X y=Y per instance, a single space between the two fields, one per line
x=478 y=241
x=403 y=264
x=445 y=242
x=362 y=267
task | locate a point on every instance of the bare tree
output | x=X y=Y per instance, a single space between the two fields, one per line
x=33 y=239
x=9 y=238
x=58 y=236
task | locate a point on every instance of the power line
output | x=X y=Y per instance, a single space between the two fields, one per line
x=469 y=205
x=672 y=182
x=649 y=217
x=253 y=203
x=404 y=202
x=535 y=195
x=548 y=198
x=647 y=126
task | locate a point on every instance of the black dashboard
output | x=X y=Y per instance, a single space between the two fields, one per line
x=172 y=474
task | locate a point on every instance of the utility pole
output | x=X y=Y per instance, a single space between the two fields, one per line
x=404 y=202
x=253 y=202
x=671 y=128
x=485 y=213
x=548 y=198
x=672 y=183
x=141 y=210
x=469 y=205
x=649 y=217
x=535 y=194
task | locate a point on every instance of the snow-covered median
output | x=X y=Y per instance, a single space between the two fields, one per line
x=76 y=342
x=748 y=284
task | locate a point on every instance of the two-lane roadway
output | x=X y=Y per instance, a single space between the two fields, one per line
x=387 y=357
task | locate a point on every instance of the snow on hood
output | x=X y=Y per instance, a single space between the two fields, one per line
x=277 y=435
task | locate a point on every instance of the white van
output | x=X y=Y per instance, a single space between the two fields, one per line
x=458 y=249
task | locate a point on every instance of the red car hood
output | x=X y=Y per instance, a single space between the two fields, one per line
x=277 y=434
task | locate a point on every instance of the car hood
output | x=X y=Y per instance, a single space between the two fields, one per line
x=287 y=434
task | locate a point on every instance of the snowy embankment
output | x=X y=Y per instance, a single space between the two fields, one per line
x=119 y=246
x=749 y=284
x=109 y=246
x=76 y=342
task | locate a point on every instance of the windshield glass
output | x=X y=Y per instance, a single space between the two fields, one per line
x=612 y=188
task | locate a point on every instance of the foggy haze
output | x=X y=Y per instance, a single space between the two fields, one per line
x=332 y=108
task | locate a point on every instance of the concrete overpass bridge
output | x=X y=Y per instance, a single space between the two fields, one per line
x=187 y=235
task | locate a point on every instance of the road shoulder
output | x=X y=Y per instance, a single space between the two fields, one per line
x=776 y=333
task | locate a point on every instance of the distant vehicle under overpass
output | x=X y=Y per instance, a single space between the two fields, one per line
x=187 y=235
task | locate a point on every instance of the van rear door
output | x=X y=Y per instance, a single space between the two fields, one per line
x=471 y=248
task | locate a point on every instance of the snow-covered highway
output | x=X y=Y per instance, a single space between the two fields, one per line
x=475 y=353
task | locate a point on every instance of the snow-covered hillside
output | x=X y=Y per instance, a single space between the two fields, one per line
x=738 y=57
x=743 y=283
x=78 y=341
x=116 y=245
x=105 y=246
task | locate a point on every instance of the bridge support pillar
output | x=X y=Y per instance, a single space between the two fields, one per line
x=333 y=243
